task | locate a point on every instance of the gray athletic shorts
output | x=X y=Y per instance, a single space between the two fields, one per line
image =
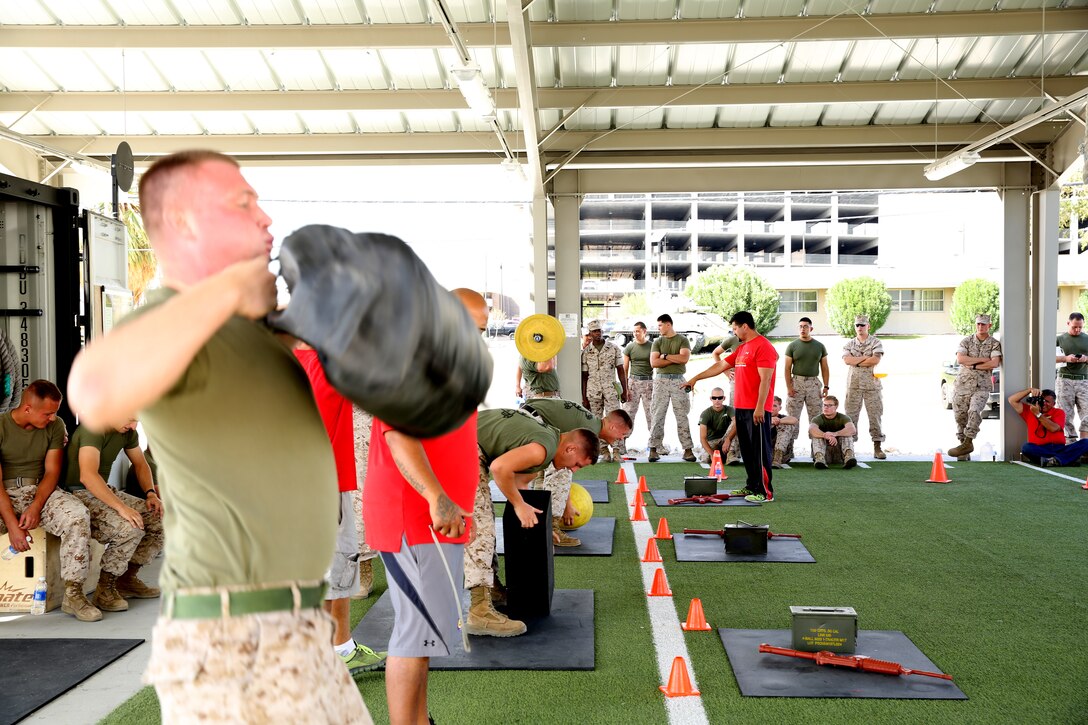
x=426 y=612
x=343 y=576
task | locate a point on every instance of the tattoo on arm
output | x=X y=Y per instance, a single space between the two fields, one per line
x=419 y=487
x=447 y=509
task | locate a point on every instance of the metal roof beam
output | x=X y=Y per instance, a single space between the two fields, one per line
x=547 y=98
x=527 y=94
x=566 y=34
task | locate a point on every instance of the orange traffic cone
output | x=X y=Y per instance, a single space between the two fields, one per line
x=716 y=468
x=639 y=501
x=652 y=554
x=1085 y=486
x=937 y=474
x=679 y=682
x=660 y=586
x=642 y=484
x=622 y=477
x=639 y=514
x=696 y=619
x=662 y=529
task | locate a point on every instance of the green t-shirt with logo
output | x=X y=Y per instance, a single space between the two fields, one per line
x=501 y=430
x=1073 y=345
x=833 y=424
x=252 y=491
x=639 y=355
x=564 y=415
x=716 y=421
x=806 y=357
x=22 y=451
x=109 y=444
x=671 y=346
x=540 y=382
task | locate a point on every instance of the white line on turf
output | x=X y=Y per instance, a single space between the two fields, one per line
x=1049 y=472
x=665 y=623
x=861 y=464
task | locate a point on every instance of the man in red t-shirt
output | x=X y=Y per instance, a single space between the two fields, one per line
x=343 y=575
x=418 y=494
x=754 y=361
x=1046 y=441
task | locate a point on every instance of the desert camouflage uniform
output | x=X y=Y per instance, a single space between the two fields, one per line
x=480 y=548
x=666 y=390
x=806 y=394
x=833 y=454
x=971 y=393
x=641 y=389
x=600 y=385
x=556 y=481
x=64 y=516
x=784 y=437
x=274 y=667
x=123 y=541
x=361 y=422
x=862 y=386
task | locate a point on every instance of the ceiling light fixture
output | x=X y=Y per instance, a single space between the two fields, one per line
x=951 y=165
x=477 y=94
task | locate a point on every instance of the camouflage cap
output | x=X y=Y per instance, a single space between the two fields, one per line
x=982 y=319
x=861 y=320
x=593 y=325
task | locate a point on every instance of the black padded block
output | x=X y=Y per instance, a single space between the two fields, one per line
x=598 y=491
x=662 y=496
x=530 y=575
x=37 y=671
x=561 y=641
x=767 y=675
x=596 y=537
x=706 y=547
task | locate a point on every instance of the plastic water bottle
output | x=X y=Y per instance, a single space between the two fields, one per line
x=11 y=553
x=38 y=606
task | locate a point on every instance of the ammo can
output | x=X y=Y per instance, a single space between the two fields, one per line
x=745 y=538
x=825 y=629
x=700 y=486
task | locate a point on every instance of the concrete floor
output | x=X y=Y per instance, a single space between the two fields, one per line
x=99 y=695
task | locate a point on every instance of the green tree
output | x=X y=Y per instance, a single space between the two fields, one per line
x=1074 y=200
x=635 y=305
x=143 y=265
x=728 y=290
x=1082 y=303
x=857 y=296
x=975 y=297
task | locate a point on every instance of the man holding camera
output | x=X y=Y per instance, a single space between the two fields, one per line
x=1045 y=422
x=1073 y=377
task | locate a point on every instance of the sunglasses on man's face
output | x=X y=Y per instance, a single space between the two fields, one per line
x=860 y=324
x=717 y=397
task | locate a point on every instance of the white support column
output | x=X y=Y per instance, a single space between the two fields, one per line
x=1044 y=272
x=693 y=225
x=742 y=224
x=1015 y=302
x=540 y=255
x=647 y=243
x=568 y=296
x=787 y=217
x=835 y=229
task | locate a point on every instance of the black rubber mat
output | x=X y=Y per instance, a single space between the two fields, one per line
x=596 y=537
x=662 y=496
x=705 y=547
x=598 y=491
x=561 y=641
x=767 y=675
x=37 y=671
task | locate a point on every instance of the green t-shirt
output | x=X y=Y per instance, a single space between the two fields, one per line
x=501 y=430
x=640 y=358
x=716 y=421
x=806 y=357
x=1073 y=345
x=671 y=346
x=108 y=444
x=540 y=382
x=22 y=451
x=730 y=343
x=831 y=425
x=252 y=495
x=564 y=415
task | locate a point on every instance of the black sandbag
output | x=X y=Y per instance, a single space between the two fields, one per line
x=390 y=338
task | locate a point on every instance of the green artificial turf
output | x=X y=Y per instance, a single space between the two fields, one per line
x=985 y=575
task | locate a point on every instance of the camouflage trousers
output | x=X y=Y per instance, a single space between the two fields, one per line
x=556 y=481
x=666 y=391
x=361 y=423
x=1073 y=394
x=603 y=399
x=968 y=402
x=716 y=445
x=806 y=394
x=784 y=438
x=873 y=399
x=833 y=454
x=275 y=667
x=642 y=391
x=64 y=516
x=123 y=541
x=480 y=548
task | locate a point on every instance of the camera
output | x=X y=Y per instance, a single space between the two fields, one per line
x=1034 y=400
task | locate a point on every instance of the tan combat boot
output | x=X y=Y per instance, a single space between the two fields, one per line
x=776 y=462
x=653 y=456
x=498 y=593
x=366 y=579
x=106 y=596
x=129 y=585
x=878 y=453
x=689 y=455
x=75 y=603
x=963 y=449
x=560 y=537
x=483 y=620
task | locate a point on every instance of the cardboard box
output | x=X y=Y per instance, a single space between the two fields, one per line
x=19 y=576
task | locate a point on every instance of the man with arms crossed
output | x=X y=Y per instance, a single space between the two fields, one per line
x=1073 y=376
x=669 y=356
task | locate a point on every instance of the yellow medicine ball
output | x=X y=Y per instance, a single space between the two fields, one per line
x=582 y=502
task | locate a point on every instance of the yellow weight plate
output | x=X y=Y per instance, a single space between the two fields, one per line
x=539 y=337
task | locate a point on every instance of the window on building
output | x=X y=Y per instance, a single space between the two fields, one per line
x=917 y=300
x=797 y=301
